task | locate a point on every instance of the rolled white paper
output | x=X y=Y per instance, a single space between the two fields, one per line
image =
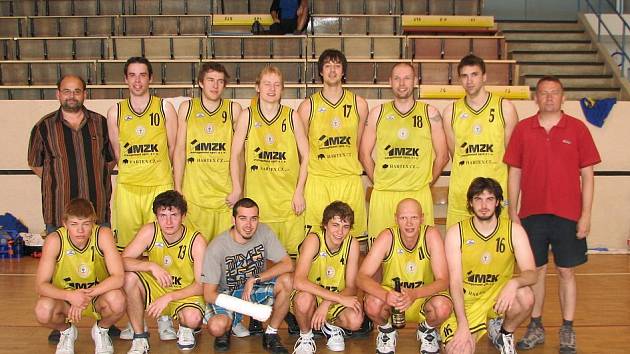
x=257 y=311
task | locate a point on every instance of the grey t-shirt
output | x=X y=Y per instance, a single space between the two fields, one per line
x=229 y=264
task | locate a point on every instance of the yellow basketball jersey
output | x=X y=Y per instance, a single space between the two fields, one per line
x=176 y=258
x=328 y=269
x=487 y=261
x=404 y=148
x=144 y=159
x=208 y=144
x=480 y=145
x=332 y=136
x=79 y=268
x=272 y=163
x=411 y=266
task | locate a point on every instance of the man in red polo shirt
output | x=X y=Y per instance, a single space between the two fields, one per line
x=551 y=157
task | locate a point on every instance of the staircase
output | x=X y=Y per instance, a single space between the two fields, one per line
x=562 y=49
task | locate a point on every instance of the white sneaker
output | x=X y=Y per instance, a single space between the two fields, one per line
x=185 y=338
x=305 y=344
x=102 y=341
x=386 y=341
x=127 y=333
x=165 y=328
x=494 y=327
x=429 y=340
x=335 y=337
x=240 y=331
x=66 y=340
x=139 y=346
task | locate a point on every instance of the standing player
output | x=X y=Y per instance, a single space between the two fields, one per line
x=201 y=163
x=325 y=281
x=481 y=252
x=551 y=157
x=410 y=148
x=334 y=119
x=169 y=280
x=276 y=150
x=80 y=274
x=142 y=131
x=235 y=263
x=413 y=254
x=477 y=128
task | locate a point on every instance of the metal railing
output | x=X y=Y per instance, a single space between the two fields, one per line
x=625 y=28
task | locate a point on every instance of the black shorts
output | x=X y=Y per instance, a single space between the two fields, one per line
x=547 y=229
x=286 y=26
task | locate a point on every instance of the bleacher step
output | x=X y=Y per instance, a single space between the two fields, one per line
x=555 y=55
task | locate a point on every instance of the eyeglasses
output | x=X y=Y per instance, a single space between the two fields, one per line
x=75 y=92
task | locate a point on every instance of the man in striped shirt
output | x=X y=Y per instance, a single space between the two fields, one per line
x=69 y=150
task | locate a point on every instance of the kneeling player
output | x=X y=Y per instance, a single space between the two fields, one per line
x=413 y=254
x=481 y=252
x=325 y=281
x=168 y=282
x=80 y=274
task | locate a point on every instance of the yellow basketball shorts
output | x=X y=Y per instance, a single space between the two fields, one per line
x=290 y=233
x=383 y=208
x=153 y=290
x=133 y=208
x=210 y=222
x=477 y=314
x=321 y=191
x=333 y=311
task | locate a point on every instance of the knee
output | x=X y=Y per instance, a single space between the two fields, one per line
x=354 y=320
x=566 y=273
x=525 y=298
x=303 y=302
x=284 y=283
x=218 y=325
x=189 y=317
x=116 y=302
x=373 y=306
x=44 y=309
x=438 y=309
x=131 y=282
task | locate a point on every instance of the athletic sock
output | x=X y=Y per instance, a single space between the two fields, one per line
x=385 y=327
x=567 y=323
x=271 y=330
x=503 y=331
x=307 y=334
x=537 y=321
x=425 y=325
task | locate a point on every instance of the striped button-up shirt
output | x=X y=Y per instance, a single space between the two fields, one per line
x=73 y=162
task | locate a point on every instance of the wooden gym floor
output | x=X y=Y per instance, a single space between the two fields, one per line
x=602 y=319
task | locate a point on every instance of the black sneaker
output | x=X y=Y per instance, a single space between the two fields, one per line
x=255 y=327
x=272 y=343
x=222 y=343
x=53 y=337
x=363 y=332
x=292 y=324
x=114 y=331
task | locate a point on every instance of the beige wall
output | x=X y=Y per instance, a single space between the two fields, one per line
x=611 y=211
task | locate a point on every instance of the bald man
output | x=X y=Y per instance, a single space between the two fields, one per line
x=412 y=253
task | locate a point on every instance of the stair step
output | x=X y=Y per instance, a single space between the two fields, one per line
x=562 y=68
x=536 y=36
x=571 y=81
x=574 y=94
x=508 y=25
x=555 y=55
x=548 y=45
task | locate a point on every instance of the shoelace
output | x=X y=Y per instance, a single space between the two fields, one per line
x=332 y=331
x=307 y=342
x=64 y=340
x=567 y=337
x=387 y=340
x=139 y=345
x=186 y=335
x=105 y=340
x=508 y=344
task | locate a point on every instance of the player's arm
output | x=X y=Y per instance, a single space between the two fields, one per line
x=362 y=110
x=46 y=269
x=132 y=253
x=285 y=265
x=588 y=186
x=304 y=110
x=371 y=264
x=299 y=204
x=112 y=129
x=527 y=275
x=510 y=117
x=210 y=292
x=438 y=265
x=447 y=118
x=179 y=156
x=514 y=190
x=171 y=127
x=113 y=262
x=237 y=161
x=462 y=340
x=368 y=140
x=439 y=143
x=237 y=109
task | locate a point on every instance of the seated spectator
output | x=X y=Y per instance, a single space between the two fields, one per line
x=289 y=16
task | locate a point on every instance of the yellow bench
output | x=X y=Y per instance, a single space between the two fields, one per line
x=241 y=20
x=456 y=91
x=438 y=23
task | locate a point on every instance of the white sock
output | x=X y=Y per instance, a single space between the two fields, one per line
x=271 y=330
x=385 y=326
x=426 y=325
x=308 y=334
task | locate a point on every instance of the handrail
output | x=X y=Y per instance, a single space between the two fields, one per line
x=626 y=27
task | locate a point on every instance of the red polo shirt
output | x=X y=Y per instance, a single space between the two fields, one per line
x=550 y=165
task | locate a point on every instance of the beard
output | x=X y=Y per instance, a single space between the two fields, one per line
x=72 y=108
